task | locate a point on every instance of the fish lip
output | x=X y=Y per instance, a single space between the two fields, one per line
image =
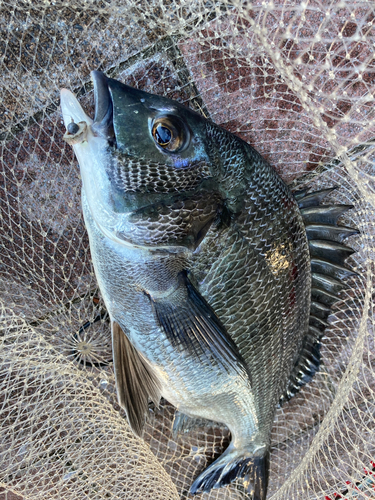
x=103 y=120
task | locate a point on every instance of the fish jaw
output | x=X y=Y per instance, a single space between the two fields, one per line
x=92 y=151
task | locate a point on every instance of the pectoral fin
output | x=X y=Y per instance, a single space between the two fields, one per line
x=192 y=326
x=135 y=380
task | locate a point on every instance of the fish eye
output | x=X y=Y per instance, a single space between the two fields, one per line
x=162 y=135
x=169 y=133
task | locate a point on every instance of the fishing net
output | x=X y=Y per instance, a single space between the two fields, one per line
x=294 y=79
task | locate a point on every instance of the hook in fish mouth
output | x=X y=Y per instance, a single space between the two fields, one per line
x=75 y=132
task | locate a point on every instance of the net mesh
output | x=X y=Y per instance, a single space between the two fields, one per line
x=294 y=79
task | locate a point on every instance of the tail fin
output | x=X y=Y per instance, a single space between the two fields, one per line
x=257 y=477
x=236 y=463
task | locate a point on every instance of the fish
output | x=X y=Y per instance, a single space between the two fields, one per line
x=218 y=280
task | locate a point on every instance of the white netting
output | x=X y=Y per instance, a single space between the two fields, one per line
x=294 y=79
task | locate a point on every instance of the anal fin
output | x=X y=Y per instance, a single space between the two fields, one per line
x=135 y=379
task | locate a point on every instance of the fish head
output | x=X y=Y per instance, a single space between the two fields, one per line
x=145 y=160
x=144 y=125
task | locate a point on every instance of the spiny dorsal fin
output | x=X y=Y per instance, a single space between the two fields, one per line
x=329 y=232
x=326 y=214
x=330 y=250
x=323 y=296
x=328 y=255
x=313 y=199
x=328 y=283
x=323 y=266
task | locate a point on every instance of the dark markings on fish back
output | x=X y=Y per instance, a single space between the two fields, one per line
x=230 y=157
x=273 y=217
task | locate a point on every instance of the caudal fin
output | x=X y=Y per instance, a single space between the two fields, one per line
x=233 y=464
x=258 y=476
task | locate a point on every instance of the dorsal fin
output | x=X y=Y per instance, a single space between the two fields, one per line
x=313 y=199
x=325 y=214
x=328 y=255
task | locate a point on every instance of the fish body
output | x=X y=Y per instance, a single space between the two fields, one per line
x=203 y=261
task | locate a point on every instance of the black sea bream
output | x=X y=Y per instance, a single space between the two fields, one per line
x=217 y=297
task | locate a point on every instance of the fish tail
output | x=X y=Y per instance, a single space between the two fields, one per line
x=237 y=463
x=257 y=478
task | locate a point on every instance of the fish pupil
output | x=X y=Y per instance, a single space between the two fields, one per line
x=163 y=135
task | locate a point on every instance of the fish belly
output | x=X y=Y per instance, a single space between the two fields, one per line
x=194 y=386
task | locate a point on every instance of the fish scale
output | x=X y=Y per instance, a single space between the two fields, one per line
x=144 y=176
x=255 y=351
x=207 y=264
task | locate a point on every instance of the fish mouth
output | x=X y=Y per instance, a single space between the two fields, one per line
x=103 y=119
